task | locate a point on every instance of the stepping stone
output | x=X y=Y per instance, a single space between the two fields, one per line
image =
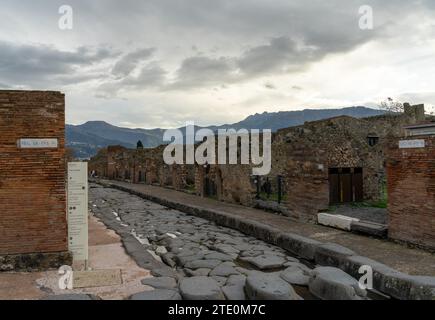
x=266 y=287
x=295 y=275
x=158 y=294
x=196 y=264
x=200 y=288
x=330 y=283
x=160 y=282
x=223 y=270
x=265 y=262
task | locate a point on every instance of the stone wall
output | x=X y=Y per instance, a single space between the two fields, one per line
x=302 y=155
x=411 y=190
x=32 y=181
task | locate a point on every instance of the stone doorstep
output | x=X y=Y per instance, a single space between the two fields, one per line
x=352 y=224
x=336 y=221
x=386 y=279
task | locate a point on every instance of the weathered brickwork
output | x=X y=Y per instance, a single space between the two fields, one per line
x=32 y=181
x=411 y=190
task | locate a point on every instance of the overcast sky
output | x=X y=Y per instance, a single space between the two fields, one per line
x=159 y=63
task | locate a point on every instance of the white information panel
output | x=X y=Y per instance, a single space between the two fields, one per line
x=78 y=210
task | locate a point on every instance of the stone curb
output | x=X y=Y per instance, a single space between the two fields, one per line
x=385 y=279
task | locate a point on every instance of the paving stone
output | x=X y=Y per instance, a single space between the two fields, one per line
x=218 y=256
x=250 y=253
x=158 y=294
x=224 y=270
x=224 y=248
x=238 y=279
x=196 y=264
x=330 y=283
x=164 y=272
x=234 y=292
x=221 y=281
x=200 y=288
x=160 y=282
x=167 y=258
x=264 y=262
x=182 y=260
x=266 y=287
x=197 y=272
x=161 y=250
x=295 y=275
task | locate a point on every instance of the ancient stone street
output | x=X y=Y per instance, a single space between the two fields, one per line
x=209 y=261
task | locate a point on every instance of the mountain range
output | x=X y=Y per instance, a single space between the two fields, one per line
x=86 y=139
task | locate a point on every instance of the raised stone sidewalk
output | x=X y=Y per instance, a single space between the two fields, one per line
x=393 y=264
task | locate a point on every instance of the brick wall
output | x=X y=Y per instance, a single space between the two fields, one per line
x=32 y=181
x=411 y=193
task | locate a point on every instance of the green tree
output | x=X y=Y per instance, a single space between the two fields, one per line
x=139 y=145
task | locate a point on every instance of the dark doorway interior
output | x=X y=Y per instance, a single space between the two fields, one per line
x=345 y=185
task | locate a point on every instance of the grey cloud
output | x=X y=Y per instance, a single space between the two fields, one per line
x=42 y=64
x=150 y=76
x=203 y=71
x=270 y=86
x=276 y=56
x=130 y=61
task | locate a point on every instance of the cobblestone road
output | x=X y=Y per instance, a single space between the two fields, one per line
x=209 y=261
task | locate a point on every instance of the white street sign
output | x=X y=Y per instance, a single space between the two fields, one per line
x=37 y=143
x=410 y=144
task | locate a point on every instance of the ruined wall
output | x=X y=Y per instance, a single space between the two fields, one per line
x=32 y=181
x=305 y=153
x=301 y=155
x=411 y=193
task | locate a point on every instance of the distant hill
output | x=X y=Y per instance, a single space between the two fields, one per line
x=87 y=138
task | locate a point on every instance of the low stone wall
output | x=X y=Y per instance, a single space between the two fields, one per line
x=386 y=280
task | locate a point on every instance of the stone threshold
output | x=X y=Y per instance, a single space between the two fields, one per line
x=386 y=280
